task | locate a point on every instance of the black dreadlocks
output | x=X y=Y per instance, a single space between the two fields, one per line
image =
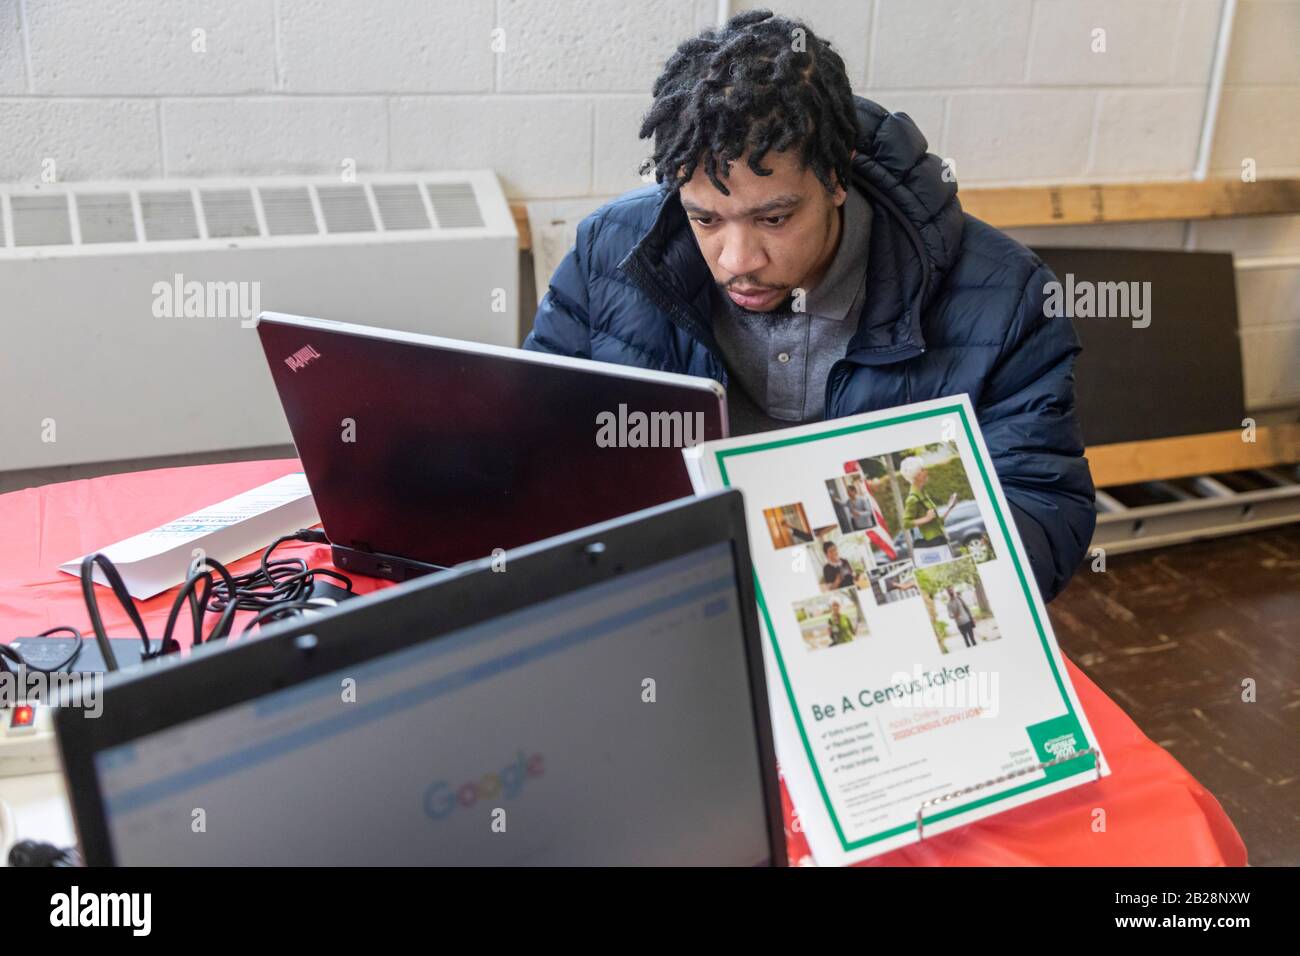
x=762 y=82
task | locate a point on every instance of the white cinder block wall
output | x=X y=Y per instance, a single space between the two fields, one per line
x=549 y=93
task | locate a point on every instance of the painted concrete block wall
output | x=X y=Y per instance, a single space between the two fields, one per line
x=551 y=92
x=1260 y=126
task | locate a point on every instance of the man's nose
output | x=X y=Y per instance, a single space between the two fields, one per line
x=740 y=255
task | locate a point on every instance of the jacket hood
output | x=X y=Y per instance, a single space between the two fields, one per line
x=915 y=237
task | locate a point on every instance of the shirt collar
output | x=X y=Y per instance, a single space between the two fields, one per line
x=835 y=294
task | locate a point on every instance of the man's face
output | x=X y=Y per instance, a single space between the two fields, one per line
x=832 y=554
x=773 y=234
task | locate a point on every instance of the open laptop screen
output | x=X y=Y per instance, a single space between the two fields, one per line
x=613 y=725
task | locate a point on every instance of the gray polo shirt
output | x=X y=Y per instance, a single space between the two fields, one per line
x=779 y=361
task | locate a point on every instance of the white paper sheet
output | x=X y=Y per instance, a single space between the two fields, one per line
x=153 y=561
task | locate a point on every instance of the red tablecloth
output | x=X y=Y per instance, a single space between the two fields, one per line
x=1155 y=811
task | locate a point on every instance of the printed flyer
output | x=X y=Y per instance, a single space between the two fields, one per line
x=911 y=666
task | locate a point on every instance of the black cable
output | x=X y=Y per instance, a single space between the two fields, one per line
x=201 y=573
x=274 y=582
x=277 y=611
x=92 y=605
x=8 y=653
x=274 y=589
x=76 y=648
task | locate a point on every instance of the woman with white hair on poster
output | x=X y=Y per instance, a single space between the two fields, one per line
x=921 y=512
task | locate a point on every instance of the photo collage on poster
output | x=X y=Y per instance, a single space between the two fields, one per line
x=907 y=528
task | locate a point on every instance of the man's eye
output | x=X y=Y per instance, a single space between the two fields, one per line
x=773 y=220
x=702 y=220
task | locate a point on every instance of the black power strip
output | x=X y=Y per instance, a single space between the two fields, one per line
x=50 y=652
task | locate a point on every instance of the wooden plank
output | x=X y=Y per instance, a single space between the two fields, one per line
x=1128 y=462
x=1024 y=206
x=520 y=212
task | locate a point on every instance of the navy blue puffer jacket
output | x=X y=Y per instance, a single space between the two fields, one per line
x=952 y=305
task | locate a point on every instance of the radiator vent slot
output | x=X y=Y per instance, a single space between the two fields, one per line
x=345 y=209
x=168 y=215
x=400 y=206
x=41 y=220
x=105 y=217
x=454 y=205
x=288 y=211
x=229 y=213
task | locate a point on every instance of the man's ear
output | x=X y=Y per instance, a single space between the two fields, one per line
x=840 y=193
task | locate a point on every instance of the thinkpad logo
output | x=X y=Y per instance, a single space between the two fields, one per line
x=301 y=358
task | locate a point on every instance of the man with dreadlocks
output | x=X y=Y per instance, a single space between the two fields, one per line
x=802 y=247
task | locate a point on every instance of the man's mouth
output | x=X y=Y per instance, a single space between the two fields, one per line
x=753 y=298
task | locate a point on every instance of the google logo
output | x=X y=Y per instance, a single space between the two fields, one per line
x=441 y=799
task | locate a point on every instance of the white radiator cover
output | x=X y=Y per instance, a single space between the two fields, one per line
x=86 y=361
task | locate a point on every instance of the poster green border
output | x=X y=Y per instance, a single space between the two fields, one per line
x=719 y=457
